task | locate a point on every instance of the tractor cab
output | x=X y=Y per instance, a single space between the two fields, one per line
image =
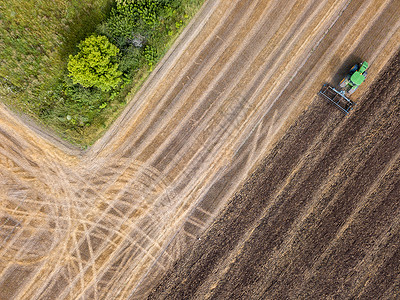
x=359 y=76
x=354 y=78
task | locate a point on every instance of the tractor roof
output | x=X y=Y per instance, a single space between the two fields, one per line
x=357 y=78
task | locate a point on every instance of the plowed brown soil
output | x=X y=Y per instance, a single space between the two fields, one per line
x=318 y=219
x=109 y=222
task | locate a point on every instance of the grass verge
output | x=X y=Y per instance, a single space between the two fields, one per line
x=40 y=36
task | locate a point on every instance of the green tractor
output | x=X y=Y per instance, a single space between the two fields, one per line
x=348 y=85
x=355 y=77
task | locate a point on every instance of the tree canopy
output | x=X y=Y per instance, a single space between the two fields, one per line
x=94 y=65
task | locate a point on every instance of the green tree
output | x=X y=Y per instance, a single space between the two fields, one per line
x=95 y=64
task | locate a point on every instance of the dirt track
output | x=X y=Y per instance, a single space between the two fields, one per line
x=108 y=223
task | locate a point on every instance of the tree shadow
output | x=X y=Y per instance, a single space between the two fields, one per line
x=81 y=26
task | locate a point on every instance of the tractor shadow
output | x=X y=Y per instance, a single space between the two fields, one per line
x=345 y=68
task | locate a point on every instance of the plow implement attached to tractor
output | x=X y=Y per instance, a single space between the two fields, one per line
x=337 y=98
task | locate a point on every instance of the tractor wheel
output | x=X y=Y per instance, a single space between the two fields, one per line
x=353 y=69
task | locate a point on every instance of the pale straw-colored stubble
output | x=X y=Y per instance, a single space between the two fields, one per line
x=117 y=216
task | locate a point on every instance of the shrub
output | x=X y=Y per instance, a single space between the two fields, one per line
x=94 y=65
x=130 y=18
x=151 y=55
x=131 y=61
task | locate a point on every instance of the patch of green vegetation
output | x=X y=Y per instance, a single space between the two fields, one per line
x=40 y=44
x=94 y=65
